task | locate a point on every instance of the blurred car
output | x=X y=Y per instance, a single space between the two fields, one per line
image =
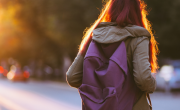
x=163 y=77
x=3 y=72
x=161 y=83
x=169 y=77
x=174 y=82
x=15 y=74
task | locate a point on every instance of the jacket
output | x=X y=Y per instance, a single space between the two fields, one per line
x=136 y=39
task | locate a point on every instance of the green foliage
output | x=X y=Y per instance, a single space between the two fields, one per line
x=49 y=29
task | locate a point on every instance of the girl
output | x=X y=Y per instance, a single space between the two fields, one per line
x=123 y=20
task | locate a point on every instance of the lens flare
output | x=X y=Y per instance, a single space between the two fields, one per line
x=10 y=75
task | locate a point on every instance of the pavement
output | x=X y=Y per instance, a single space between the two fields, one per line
x=166 y=100
x=34 y=95
x=48 y=95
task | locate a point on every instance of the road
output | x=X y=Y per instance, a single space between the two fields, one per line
x=34 y=95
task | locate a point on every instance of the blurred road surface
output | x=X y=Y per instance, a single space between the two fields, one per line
x=34 y=95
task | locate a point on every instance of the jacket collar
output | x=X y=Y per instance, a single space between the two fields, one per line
x=110 y=32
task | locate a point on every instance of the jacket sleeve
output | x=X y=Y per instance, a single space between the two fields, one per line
x=141 y=66
x=75 y=72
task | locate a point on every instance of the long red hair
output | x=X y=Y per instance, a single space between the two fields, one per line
x=124 y=12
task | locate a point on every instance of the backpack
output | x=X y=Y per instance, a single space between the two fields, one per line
x=107 y=83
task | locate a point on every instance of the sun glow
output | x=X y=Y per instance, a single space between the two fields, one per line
x=9 y=26
x=88 y=32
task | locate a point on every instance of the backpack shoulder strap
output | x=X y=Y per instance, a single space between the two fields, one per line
x=149 y=99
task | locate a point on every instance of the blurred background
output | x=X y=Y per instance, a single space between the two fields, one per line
x=39 y=39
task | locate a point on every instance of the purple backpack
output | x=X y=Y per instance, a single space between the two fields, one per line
x=107 y=83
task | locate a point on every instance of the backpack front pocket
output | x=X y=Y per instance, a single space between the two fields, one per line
x=95 y=98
